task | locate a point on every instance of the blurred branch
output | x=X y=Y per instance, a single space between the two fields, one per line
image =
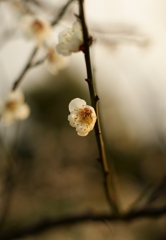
x=117 y=33
x=62 y=12
x=109 y=181
x=142 y=195
x=39 y=62
x=34 y=52
x=149 y=194
x=157 y=191
x=25 y=70
x=45 y=224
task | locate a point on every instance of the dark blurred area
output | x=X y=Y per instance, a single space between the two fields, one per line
x=58 y=173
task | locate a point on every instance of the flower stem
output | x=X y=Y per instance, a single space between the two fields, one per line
x=109 y=183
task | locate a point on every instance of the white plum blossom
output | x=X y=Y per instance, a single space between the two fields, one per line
x=36 y=28
x=14 y=108
x=55 y=62
x=82 y=116
x=70 y=40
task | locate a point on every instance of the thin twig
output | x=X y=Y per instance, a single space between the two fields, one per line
x=151 y=195
x=62 y=12
x=140 y=197
x=110 y=191
x=25 y=70
x=160 y=188
x=39 y=62
x=49 y=223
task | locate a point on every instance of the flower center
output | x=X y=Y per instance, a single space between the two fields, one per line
x=37 y=26
x=85 y=116
x=11 y=105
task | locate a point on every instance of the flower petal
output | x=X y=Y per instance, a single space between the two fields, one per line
x=77 y=26
x=62 y=50
x=76 y=104
x=22 y=112
x=75 y=43
x=64 y=33
x=7 y=118
x=71 y=120
x=82 y=132
x=15 y=96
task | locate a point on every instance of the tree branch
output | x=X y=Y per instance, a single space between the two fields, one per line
x=47 y=224
x=109 y=181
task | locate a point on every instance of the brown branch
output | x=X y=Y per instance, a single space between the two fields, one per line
x=109 y=181
x=47 y=224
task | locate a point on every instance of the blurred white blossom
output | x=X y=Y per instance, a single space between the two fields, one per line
x=36 y=27
x=14 y=108
x=82 y=116
x=55 y=62
x=70 y=40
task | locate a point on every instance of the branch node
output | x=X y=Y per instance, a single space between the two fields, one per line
x=89 y=43
x=87 y=80
x=97 y=98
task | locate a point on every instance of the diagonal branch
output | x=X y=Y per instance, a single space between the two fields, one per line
x=62 y=12
x=25 y=70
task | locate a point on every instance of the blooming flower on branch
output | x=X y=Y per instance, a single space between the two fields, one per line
x=14 y=108
x=36 y=27
x=70 y=40
x=82 y=116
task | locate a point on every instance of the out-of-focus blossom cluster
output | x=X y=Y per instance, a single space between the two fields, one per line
x=39 y=29
x=82 y=116
x=36 y=27
x=14 y=108
x=55 y=62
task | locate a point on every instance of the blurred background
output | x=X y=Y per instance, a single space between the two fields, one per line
x=56 y=172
